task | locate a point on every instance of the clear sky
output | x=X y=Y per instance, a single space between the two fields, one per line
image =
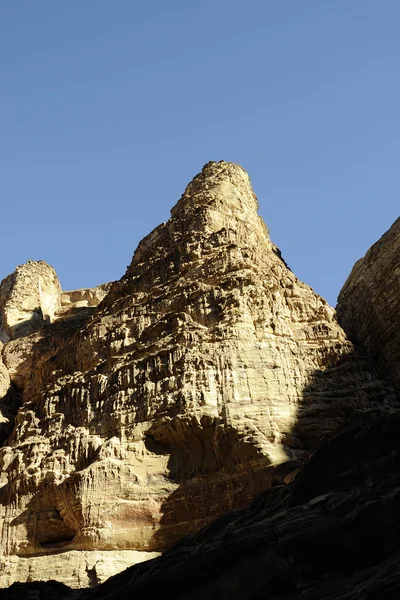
x=108 y=109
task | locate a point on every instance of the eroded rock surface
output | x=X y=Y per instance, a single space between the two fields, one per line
x=77 y=569
x=369 y=303
x=203 y=376
x=333 y=534
x=28 y=298
x=73 y=301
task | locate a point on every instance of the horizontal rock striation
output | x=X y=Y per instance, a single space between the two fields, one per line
x=203 y=376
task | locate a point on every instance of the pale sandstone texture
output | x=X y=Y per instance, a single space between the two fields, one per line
x=369 y=303
x=202 y=377
x=74 y=300
x=332 y=534
x=77 y=569
x=28 y=298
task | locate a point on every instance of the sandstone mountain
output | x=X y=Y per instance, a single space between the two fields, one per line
x=139 y=412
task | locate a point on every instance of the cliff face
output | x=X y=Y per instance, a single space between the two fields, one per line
x=369 y=303
x=333 y=533
x=149 y=407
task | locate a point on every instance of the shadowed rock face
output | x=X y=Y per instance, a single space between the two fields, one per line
x=203 y=376
x=369 y=303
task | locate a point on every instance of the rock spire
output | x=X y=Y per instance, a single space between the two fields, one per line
x=200 y=378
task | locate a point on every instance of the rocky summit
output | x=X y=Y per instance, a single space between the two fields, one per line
x=207 y=407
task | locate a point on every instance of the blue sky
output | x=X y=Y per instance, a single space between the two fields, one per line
x=108 y=109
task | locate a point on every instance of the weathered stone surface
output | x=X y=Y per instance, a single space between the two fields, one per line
x=203 y=376
x=28 y=298
x=333 y=534
x=77 y=569
x=73 y=301
x=369 y=303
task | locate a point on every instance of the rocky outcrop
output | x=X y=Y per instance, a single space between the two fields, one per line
x=369 y=303
x=73 y=301
x=28 y=298
x=203 y=376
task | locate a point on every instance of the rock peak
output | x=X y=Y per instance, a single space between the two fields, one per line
x=28 y=298
x=222 y=167
x=204 y=376
x=223 y=181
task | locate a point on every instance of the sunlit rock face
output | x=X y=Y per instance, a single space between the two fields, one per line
x=369 y=303
x=28 y=298
x=201 y=377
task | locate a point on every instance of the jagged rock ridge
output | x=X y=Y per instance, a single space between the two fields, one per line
x=202 y=377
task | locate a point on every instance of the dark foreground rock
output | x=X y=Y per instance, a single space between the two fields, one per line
x=37 y=590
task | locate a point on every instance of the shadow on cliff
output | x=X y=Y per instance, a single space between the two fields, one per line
x=312 y=539
x=44 y=342
x=332 y=532
x=45 y=526
x=217 y=471
x=9 y=406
